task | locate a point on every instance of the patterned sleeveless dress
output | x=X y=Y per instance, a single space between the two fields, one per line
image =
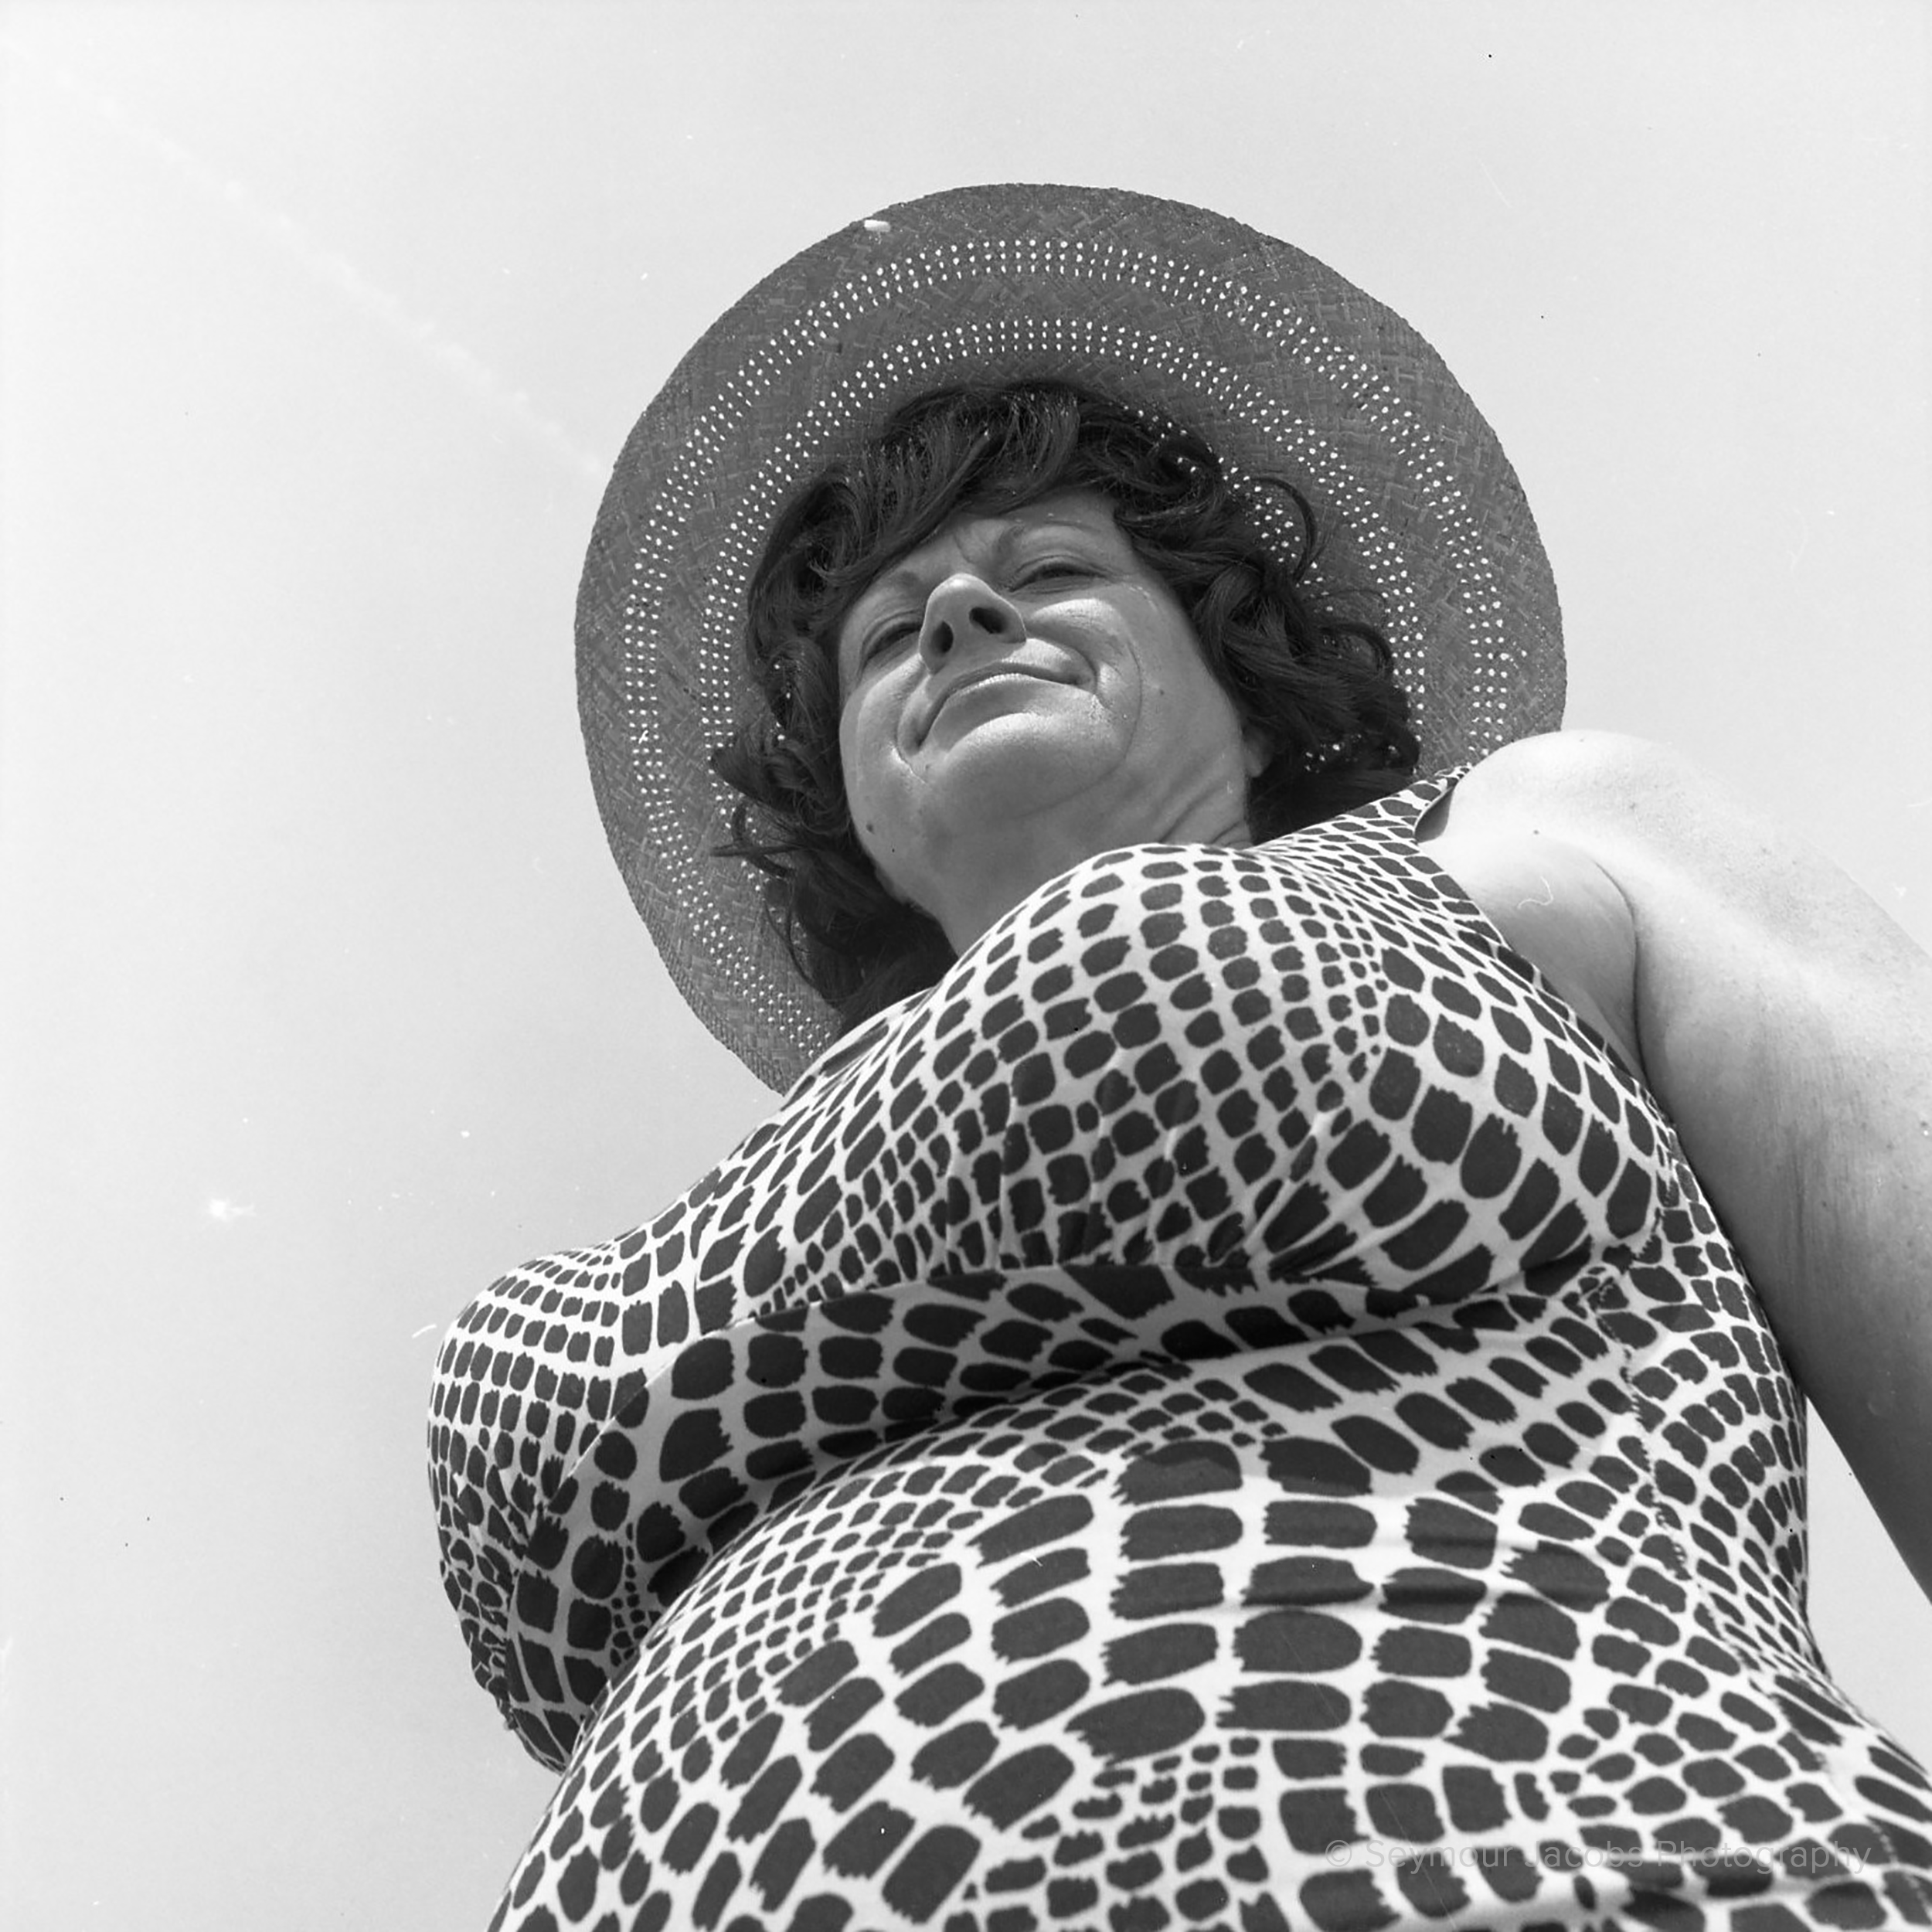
x=1229 y=1411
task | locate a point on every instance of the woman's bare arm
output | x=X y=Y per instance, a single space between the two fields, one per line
x=1786 y=1025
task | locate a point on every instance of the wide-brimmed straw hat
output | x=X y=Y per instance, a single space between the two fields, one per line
x=1281 y=365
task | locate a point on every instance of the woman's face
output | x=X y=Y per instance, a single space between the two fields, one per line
x=1022 y=692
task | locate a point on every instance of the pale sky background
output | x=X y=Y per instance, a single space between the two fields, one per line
x=320 y=326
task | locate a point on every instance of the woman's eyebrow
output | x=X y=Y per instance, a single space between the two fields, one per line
x=901 y=581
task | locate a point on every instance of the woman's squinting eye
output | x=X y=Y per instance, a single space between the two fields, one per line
x=888 y=636
x=1045 y=569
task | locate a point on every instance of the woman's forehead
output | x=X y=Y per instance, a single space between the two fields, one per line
x=978 y=531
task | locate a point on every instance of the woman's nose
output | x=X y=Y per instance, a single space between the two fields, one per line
x=965 y=610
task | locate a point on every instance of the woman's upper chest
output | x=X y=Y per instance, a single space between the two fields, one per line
x=1305 y=1056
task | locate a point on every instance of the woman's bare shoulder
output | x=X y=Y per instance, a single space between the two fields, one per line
x=1580 y=778
x=1593 y=801
x=1548 y=896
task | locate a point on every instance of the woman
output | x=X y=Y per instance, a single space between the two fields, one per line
x=1226 y=1396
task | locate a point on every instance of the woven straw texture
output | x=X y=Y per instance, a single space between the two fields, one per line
x=1283 y=366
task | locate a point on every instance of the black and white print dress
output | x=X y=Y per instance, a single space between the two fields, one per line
x=1229 y=1411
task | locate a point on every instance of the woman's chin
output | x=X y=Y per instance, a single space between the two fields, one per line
x=1015 y=765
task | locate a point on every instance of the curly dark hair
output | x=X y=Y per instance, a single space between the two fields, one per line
x=1318 y=689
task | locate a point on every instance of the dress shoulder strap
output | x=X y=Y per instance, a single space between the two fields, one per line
x=1384 y=829
x=1404 y=810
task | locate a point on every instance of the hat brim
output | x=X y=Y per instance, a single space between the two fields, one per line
x=1281 y=365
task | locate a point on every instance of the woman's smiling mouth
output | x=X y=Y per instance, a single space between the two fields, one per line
x=1005 y=669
